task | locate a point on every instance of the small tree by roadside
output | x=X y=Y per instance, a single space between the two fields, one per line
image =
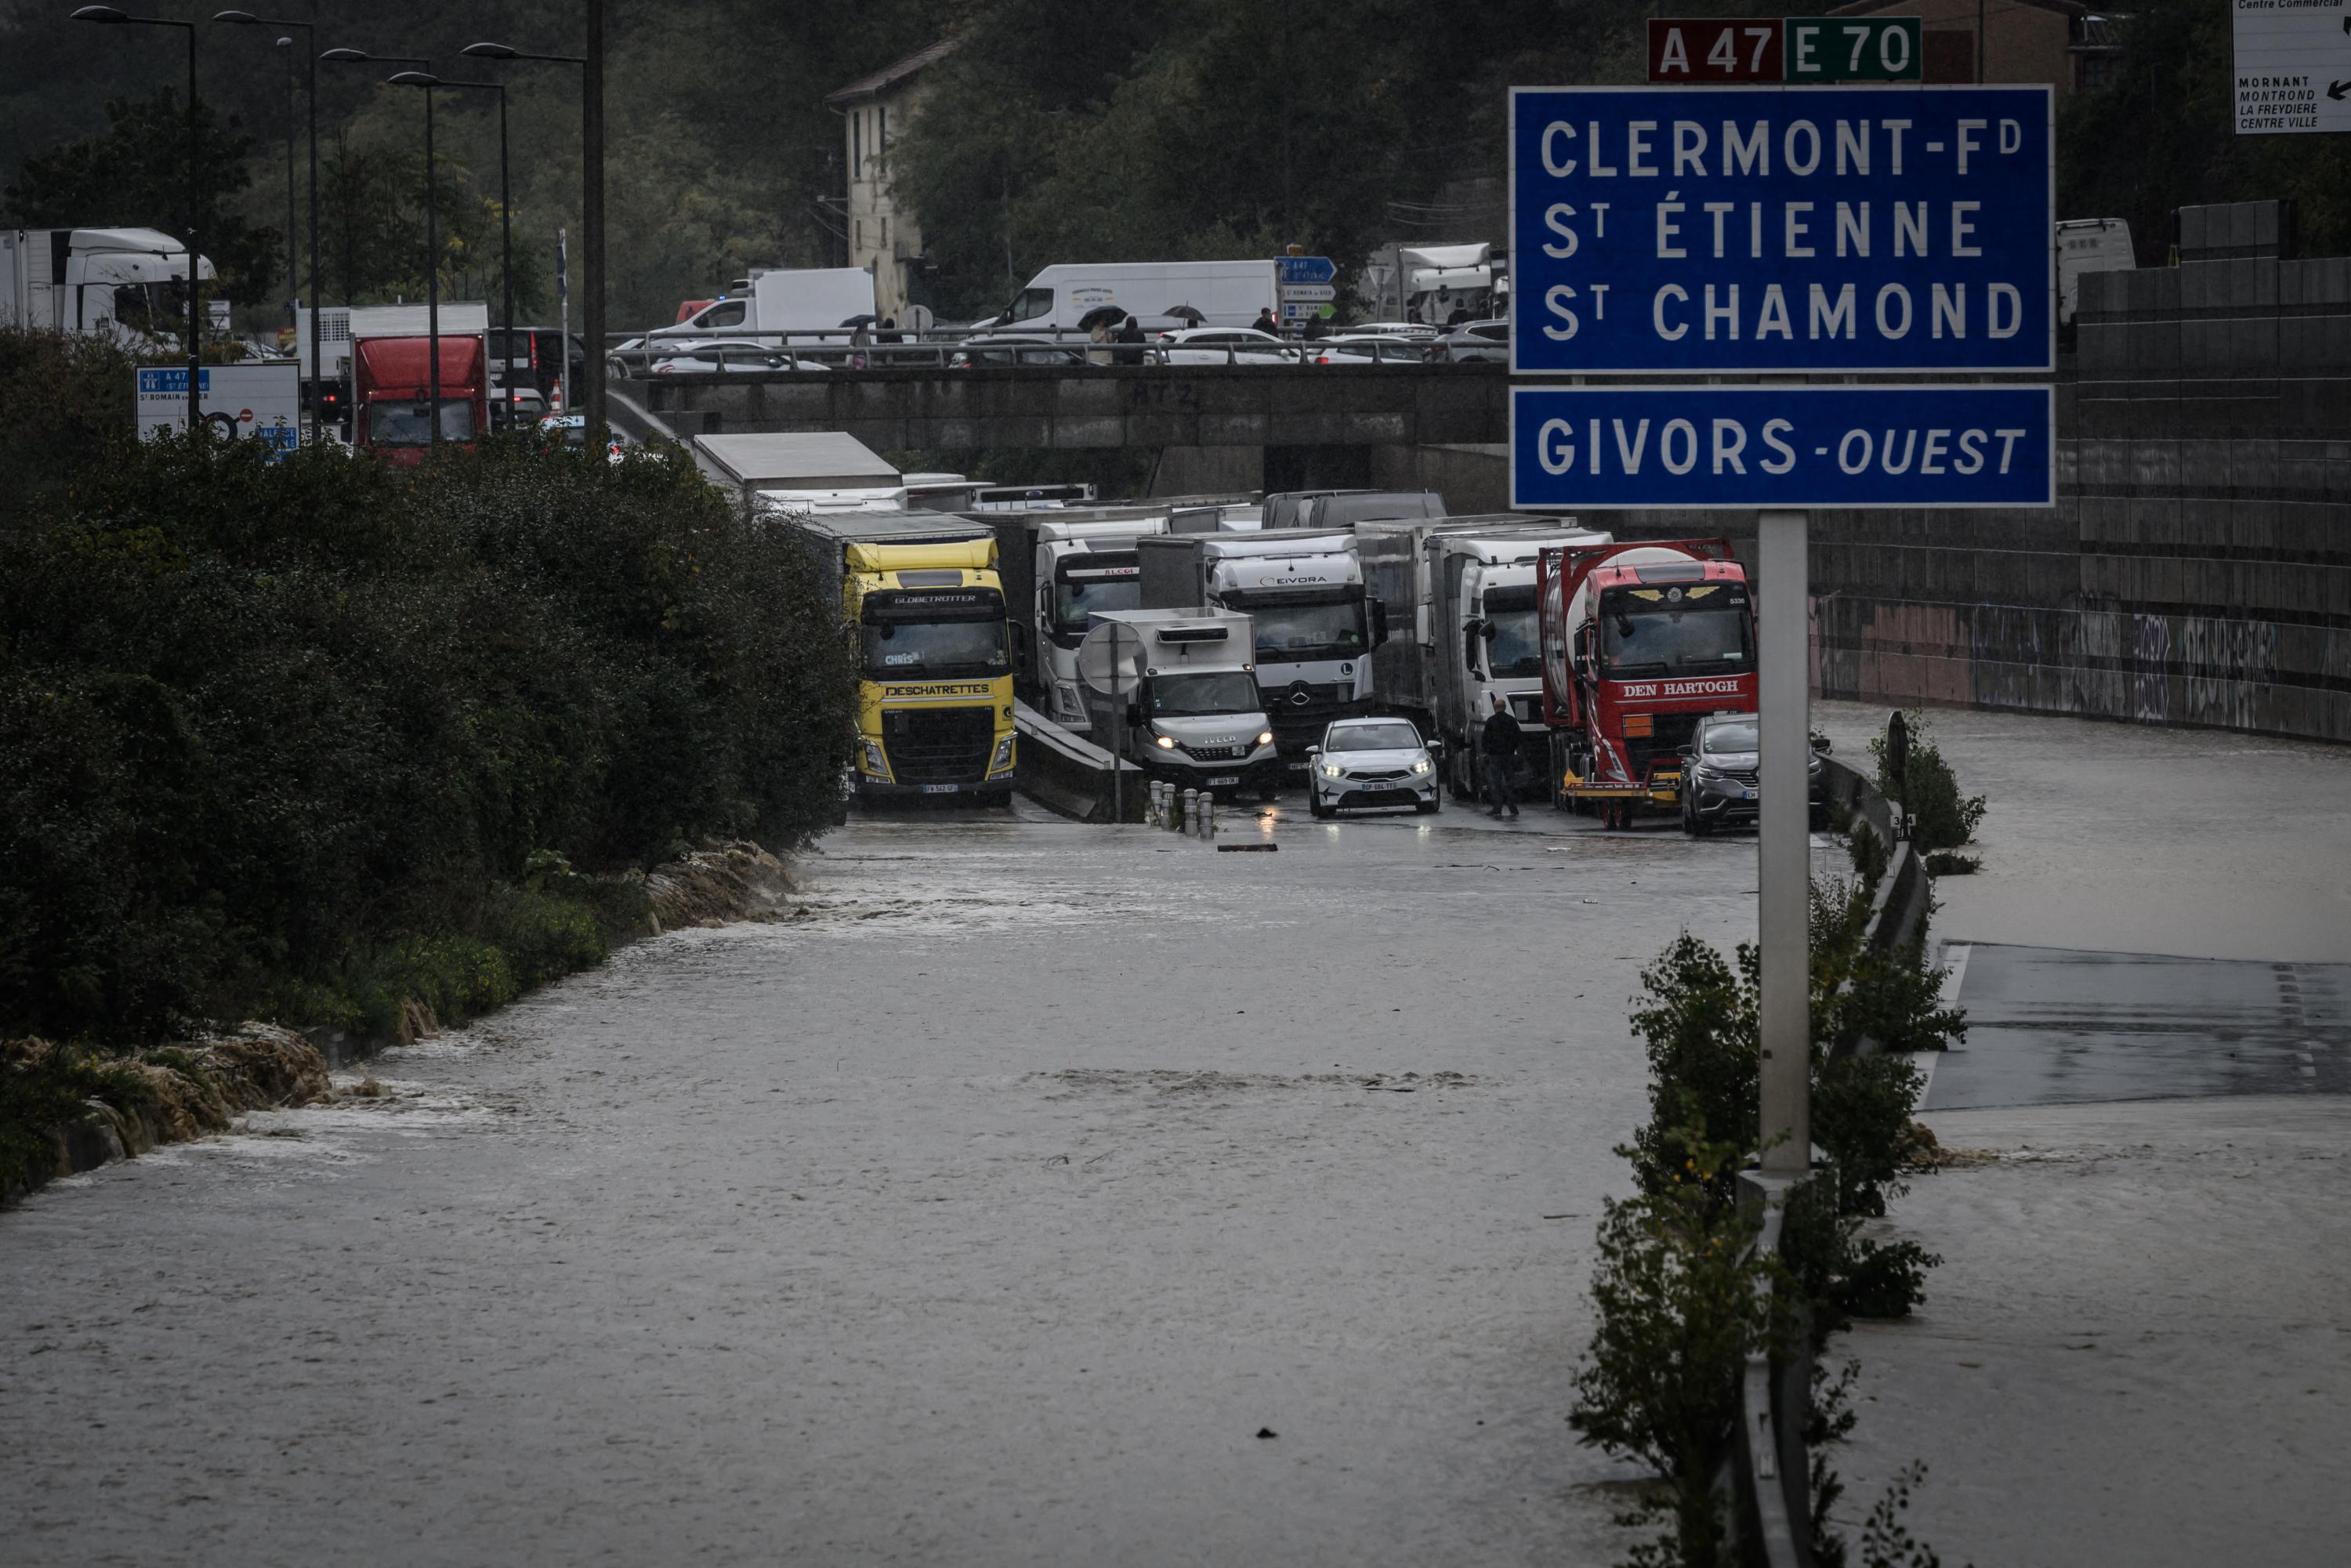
x=1941 y=819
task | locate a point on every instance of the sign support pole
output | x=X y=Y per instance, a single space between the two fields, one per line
x=1784 y=902
x=1118 y=728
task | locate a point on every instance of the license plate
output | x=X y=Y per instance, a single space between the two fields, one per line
x=1223 y=779
x=1748 y=794
x=941 y=789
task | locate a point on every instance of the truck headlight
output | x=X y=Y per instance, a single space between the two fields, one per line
x=1422 y=765
x=1265 y=737
x=1165 y=743
x=875 y=761
x=1003 y=757
x=1331 y=770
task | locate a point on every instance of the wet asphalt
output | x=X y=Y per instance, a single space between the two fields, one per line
x=991 y=1211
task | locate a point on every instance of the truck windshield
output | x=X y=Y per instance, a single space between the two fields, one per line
x=1224 y=691
x=1291 y=631
x=897 y=649
x=1075 y=598
x=1515 y=649
x=1644 y=632
x=403 y=424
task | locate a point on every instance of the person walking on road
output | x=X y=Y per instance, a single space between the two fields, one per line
x=1265 y=322
x=1496 y=746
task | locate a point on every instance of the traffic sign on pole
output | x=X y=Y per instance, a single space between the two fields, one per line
x=1736 y=229
x=2293 y=66
x=1693 y=448
x=1854 y=49
x=1686 y=49
x=1306 y=268
x=264 y=401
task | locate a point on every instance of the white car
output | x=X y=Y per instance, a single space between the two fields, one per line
x=1367 y=348
x=1369 y=762
x=1222 y=346
x=724 y=357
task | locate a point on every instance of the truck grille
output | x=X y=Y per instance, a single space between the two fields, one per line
x=938 y=744
x=1215 y=753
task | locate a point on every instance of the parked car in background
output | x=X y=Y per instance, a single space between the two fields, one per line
x=1000 y=352
x=1222 y=346
x=1474 y=343
x=1367 y=762
x=518 y=410
x=1367 y=348
x=723 y=356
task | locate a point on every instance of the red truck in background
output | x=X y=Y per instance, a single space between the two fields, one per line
x=1640 y=640
x=391 y=396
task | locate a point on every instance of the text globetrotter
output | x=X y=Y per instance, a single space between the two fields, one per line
x=1692 y=447
x=1734 y=230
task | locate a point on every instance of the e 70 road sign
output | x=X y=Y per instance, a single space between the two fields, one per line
x=1732 y=230
x=1707 y=447
x=1854 y=49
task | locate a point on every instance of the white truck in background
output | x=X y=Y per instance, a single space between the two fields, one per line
x=785 y=305
x=2089 y=245
x=1218 y=294
x=1196 y=718
x=1316 y=625
x=1470 y=584
x=1062 y=567
x=128 y=285
x=811 y=473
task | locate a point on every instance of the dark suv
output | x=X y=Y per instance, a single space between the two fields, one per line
x=1721 y=787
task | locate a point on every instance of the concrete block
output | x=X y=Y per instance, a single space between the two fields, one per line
x=2101 y=345
x=2166 y=283
x=2199 y=283
x=2194 y=223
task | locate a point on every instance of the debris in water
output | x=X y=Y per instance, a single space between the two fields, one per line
x=1267 y=1432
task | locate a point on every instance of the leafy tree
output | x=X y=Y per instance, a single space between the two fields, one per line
x=2161 y=133
x=135 y=174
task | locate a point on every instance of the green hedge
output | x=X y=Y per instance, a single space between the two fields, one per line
x=267 y=728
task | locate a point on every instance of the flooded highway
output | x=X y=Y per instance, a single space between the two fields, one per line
x=990 y=1213
x=1057 y=1193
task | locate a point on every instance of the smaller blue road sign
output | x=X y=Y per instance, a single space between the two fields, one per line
x=1307 y=269
x=1700 y=448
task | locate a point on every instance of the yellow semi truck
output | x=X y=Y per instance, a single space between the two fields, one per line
x=924 y=610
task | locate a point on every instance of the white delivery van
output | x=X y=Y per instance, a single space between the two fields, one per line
x=1196 y=718
x=1224 y=293
x=2089 y=245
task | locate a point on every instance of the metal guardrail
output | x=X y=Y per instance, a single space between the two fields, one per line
x=1773 y=1475
x=821 y=349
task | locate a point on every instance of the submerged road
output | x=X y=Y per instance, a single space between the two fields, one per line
x=990 y=1212
x=986 y=1216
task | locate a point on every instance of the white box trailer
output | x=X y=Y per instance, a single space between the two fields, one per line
x=809 y=472
x=1470 y=586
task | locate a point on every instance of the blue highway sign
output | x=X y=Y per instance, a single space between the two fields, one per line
x=1697 y=447
x=1729 y=230
x=1307 y=269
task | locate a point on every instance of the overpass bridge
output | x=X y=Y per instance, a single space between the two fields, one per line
x=944 y=408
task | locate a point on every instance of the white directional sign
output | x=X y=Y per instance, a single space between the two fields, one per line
x=1314 y=292
x=264 y=401
x=2294 y=66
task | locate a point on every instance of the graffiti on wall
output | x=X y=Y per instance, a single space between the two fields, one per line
x=2105 y=663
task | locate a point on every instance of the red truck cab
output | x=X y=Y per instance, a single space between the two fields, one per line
x=391 y=395
x=1640 y=640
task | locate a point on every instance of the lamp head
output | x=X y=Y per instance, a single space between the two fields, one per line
x=491 y=51
x=99 y=13
x=414 y=78
x=342 y=54
x=241 y=17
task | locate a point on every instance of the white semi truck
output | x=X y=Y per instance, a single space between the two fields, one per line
x=1197 y=718
x=130 y=285
x=1062 y=567
x=1316 y=625
x=1470 y=584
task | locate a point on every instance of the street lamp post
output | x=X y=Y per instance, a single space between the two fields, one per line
x=109 y=16
x=591 y=201
x=432 y=244
x=428 y=81
x=317 y=369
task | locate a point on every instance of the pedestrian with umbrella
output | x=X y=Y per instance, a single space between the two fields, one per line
x=861 y=338
x=1097 y=325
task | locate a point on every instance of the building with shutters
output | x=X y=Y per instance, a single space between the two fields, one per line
x=874 y=109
